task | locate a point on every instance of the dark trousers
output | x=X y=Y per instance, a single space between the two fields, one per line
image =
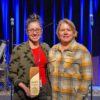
x=22 y=96
x=42 y=95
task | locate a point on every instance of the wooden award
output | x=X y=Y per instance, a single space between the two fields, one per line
x=34 y=81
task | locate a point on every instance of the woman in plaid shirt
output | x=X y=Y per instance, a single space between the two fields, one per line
x=70 y=65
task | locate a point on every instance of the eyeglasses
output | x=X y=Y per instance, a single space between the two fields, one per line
x=37 y=30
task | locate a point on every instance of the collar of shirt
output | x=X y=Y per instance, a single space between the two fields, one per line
x=70 y=48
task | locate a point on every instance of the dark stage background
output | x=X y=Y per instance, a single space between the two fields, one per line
x=51 y=11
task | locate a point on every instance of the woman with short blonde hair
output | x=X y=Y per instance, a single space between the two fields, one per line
x=70 y=65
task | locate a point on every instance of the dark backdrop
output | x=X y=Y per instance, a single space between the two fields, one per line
x=51 y=11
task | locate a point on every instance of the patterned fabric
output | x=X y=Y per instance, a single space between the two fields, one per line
x=70 y=71
x=20 y=63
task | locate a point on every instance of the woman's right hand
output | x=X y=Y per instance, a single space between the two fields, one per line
x=25 y=88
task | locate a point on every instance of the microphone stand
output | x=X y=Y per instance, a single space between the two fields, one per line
x=12 y=32
x=91 y=30
x=91 y=80
x=48 y=25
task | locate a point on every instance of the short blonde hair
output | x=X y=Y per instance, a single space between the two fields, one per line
x=70 y=23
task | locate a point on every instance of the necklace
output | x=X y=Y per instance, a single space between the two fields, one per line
x=36 y=55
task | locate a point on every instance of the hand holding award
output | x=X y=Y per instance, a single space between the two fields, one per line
x=34 y=81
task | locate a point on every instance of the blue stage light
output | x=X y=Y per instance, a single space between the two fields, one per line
x=54 y=22
x=25 y=17
x=81 y=21
x=42 y=16
x=62 y=8
x=70 y=9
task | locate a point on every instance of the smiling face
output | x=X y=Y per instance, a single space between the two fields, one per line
x=66 y=31
x=34 y=31
x=65 y=34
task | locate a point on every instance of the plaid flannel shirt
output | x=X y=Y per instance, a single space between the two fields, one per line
x=70 y=71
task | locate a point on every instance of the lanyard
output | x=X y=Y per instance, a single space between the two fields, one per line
x=37 y=60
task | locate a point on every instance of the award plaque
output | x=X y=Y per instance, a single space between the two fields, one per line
x=34 y=81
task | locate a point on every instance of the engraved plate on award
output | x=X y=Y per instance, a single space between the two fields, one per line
x=34 y=81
